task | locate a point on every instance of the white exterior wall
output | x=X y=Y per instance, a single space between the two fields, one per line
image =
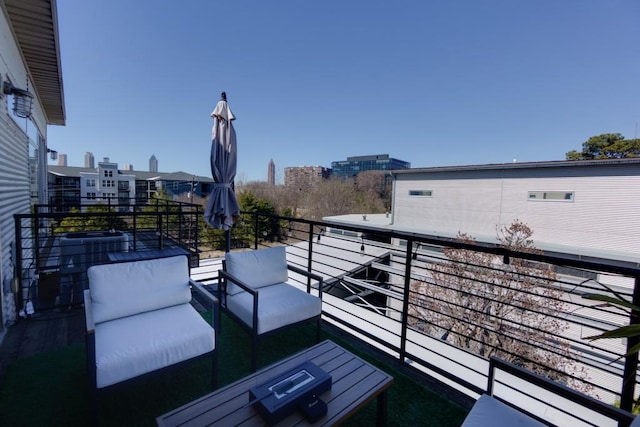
x=14 y=163
x=101 y=191
x=603 y=216
x=85 y=190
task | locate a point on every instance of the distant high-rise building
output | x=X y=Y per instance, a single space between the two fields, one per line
x=271 y=173
x=89 y=160
x=378 y=162
x=127 y=167
x=153 y=164
x=62 y=160
x=304 y=177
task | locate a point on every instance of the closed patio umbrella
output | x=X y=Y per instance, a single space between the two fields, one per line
x=222 y=209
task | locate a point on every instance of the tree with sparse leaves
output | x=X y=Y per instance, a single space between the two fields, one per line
x=606 y=146
x=374 y=191
x=514 y=311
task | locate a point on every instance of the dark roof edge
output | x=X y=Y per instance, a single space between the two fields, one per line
x=522 y=165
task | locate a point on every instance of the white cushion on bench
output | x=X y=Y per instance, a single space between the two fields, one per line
x=125 y=289
x=259 y=268
x=490 y=412
x=135 y=345
x=275 y=307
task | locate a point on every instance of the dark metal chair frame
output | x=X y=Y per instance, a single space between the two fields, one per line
x=91 y=349
x=623 y=418
x=224 y=277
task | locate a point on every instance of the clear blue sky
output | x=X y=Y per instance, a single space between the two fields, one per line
x=430 y=82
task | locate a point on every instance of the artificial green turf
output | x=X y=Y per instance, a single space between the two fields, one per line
x=51 y=389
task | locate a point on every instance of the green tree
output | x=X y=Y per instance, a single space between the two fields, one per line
x=606 y=146
x=92 y=223
x=268 y=228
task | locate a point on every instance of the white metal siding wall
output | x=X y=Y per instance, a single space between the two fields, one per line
x=605 y=212
x=604 y=215
x=455 y=205
x=14 y=153
x=14 y=189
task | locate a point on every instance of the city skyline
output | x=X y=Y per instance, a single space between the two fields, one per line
x=435 y=83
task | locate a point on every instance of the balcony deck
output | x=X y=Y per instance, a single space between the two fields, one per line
x=49 y=333
x=376 y=299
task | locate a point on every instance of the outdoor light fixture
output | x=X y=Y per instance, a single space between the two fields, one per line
x=22 y=99
x=53 y=153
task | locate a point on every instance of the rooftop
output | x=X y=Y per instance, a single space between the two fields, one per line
x=383 y=296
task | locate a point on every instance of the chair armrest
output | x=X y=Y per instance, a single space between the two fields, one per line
x=310 y=275
x=88 y=312
x=226 y=276
x=215 y=303
x=197 y=286
x=254 y=293
x=90 y=340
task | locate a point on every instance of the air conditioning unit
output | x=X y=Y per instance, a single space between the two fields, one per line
x=81 y=250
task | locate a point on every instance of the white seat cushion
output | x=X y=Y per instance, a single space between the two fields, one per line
x=279 y=305
x=490 y=412
x=135 y=345
x=262 y=267
x=128 y=288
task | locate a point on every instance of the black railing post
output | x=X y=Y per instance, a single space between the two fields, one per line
x=405 y=300
x=195 y=239
x=310 y=260
x=255 y=243
x=18 y=263
x=166 y=220
x=135 y=226
x=159 y=231
x=180 y=220
x=631 y=360
x=36 y=230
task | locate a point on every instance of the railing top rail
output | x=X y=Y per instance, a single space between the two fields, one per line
x=626 y=268
x=555 y=387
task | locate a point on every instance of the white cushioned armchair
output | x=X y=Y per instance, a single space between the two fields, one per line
x=254 y=292
x=139 y=319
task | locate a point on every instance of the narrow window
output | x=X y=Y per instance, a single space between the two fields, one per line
x=566 y=196
x=420 y=193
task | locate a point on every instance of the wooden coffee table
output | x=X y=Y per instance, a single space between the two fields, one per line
x=355 y=383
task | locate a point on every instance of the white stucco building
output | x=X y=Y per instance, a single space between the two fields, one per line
x=107 y=182
x=589 y=208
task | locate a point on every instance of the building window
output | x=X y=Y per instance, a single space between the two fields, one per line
x=566 y=196
x=91 y=182
x=108 y=174
x=421 y=193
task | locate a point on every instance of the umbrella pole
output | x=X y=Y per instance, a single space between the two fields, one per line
x=227 y=240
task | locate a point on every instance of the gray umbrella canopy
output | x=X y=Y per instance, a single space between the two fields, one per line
x=222 y=209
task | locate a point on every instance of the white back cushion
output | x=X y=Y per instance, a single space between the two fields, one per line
x=258 y=268
x=128 y=288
